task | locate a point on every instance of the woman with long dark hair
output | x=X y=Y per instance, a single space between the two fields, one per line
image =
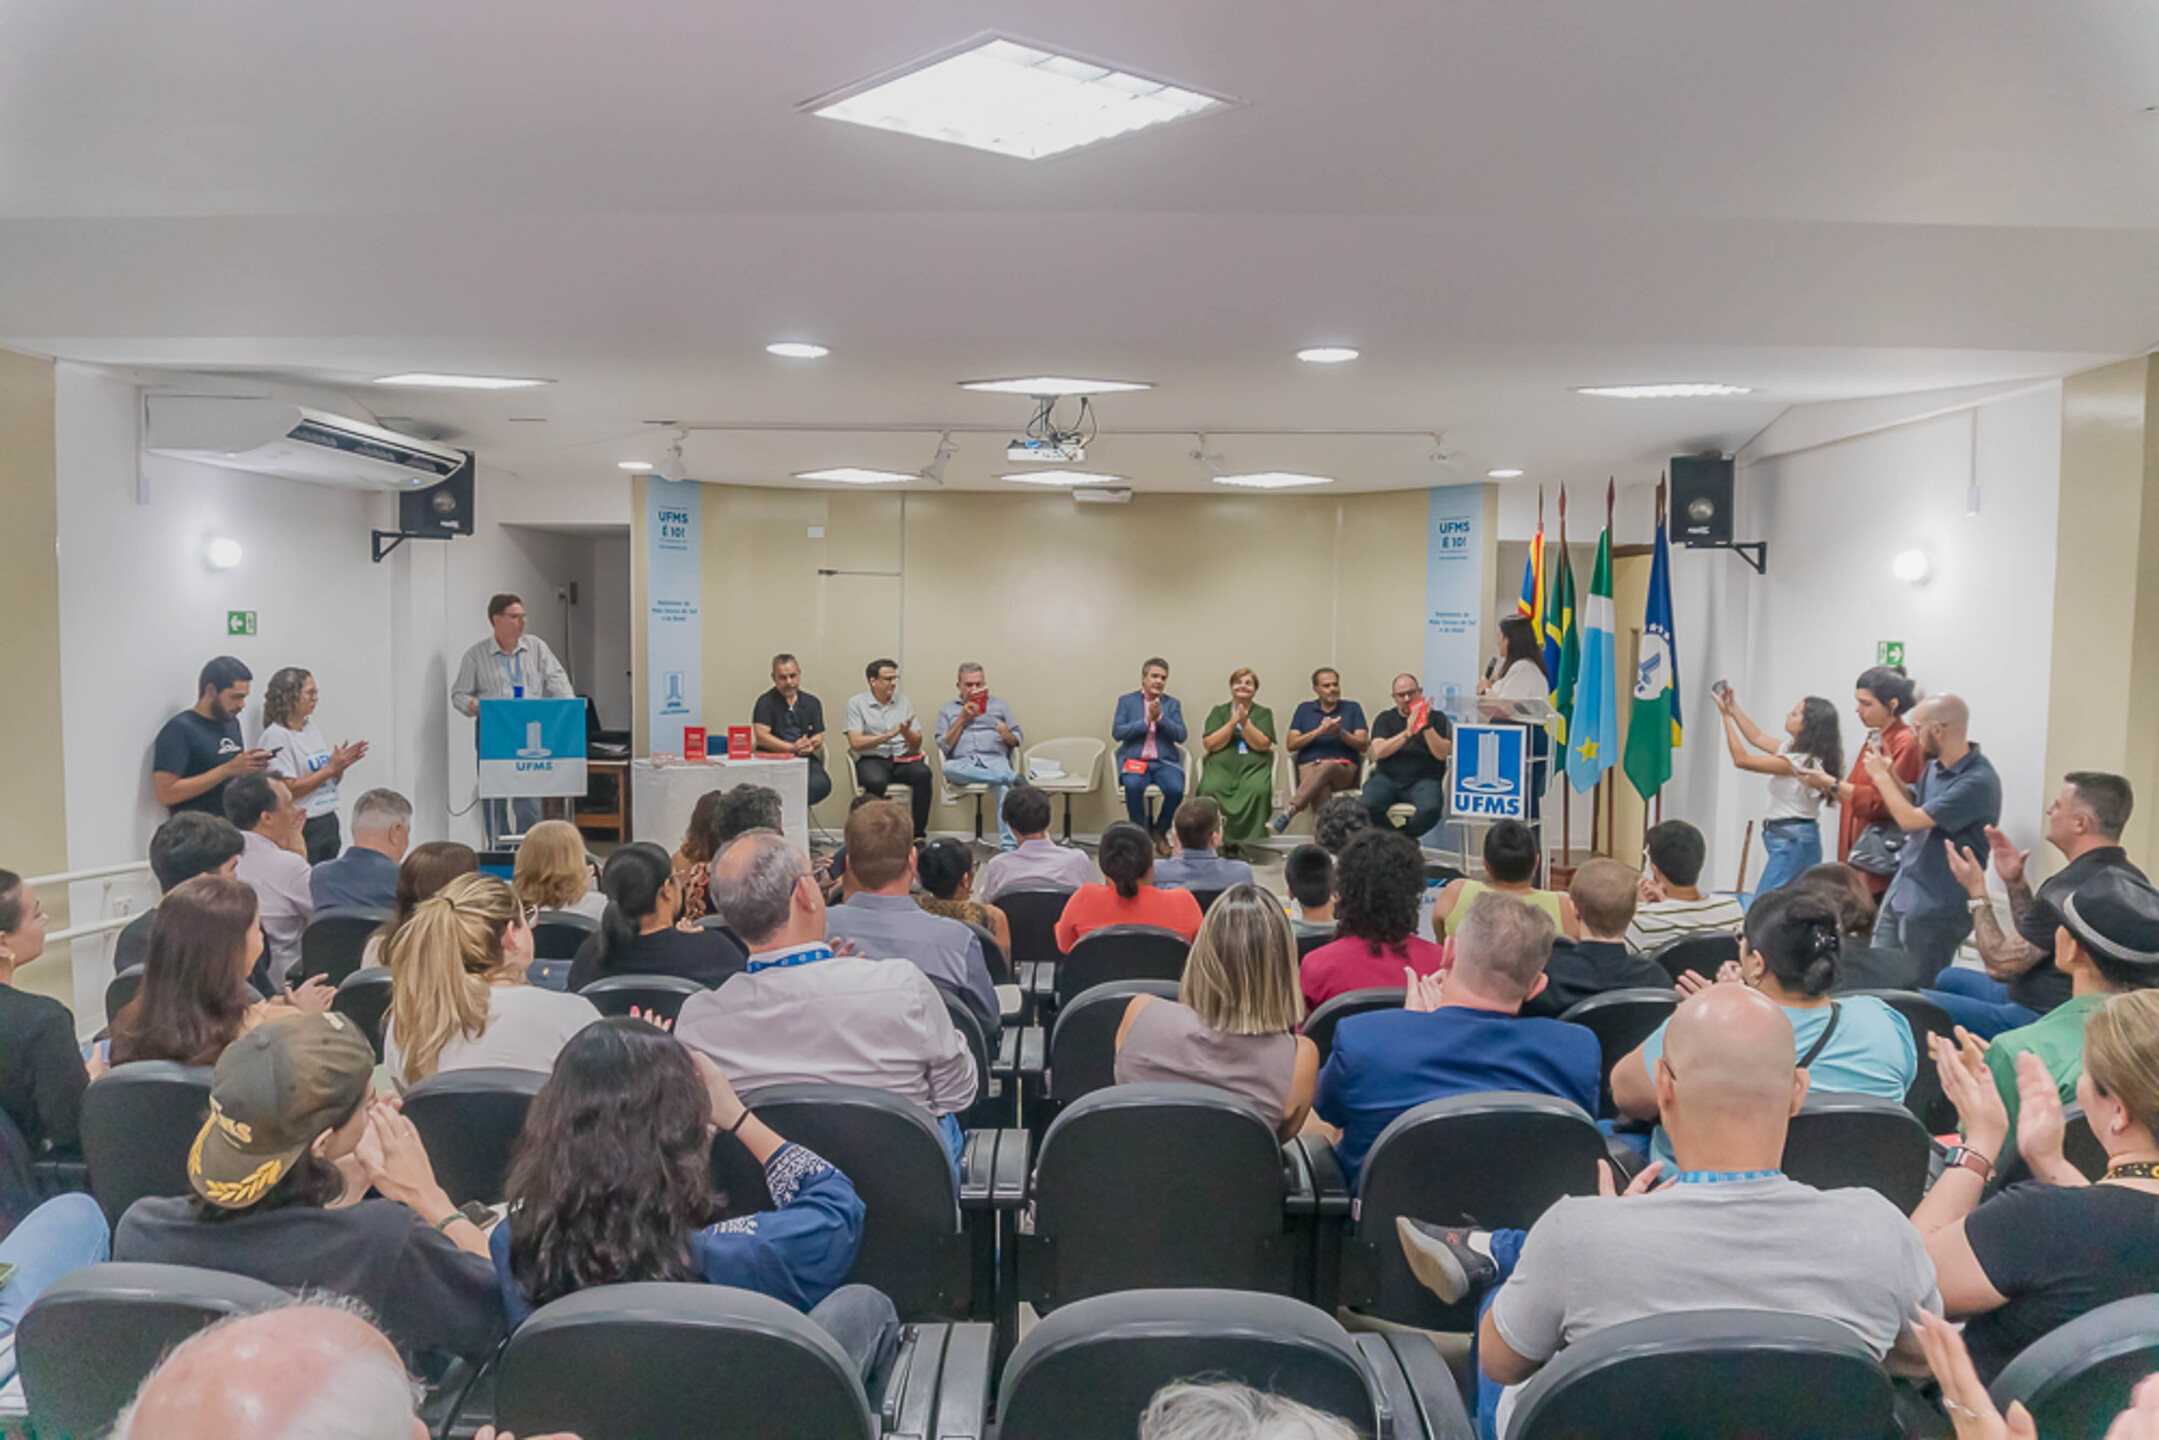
x=1791 y=827
x=195 y=999
x=1129 y=895
x=642 y=931
x=1867 y=839
x=1520 y=663
x=611 y=1182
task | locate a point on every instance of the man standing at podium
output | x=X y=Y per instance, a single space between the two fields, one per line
x=511 y=665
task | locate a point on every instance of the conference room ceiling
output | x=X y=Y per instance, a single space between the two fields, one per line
x=1494 y=200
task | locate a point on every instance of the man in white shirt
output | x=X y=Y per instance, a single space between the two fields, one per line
x=509 y=665
x=1671 y=905
x=273 y=861
x=886 y=741
x=801 y=1013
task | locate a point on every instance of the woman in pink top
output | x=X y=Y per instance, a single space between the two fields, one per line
x=1379 y=883
x=1126 y=856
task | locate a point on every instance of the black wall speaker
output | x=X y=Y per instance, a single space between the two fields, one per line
x=441 y=510
x=1702 y=500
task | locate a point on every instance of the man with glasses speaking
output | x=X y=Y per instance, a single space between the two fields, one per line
x=1410 y=747
x=510 y=665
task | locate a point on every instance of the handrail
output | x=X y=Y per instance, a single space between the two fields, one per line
x=95 y=927
x=69 y=877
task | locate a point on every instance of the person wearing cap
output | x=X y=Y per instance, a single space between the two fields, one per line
x=2108 y=943
x=293 y=1134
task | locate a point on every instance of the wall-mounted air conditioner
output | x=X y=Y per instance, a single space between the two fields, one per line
x=275 y=437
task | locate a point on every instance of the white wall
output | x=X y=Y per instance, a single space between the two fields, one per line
x=1835 y=514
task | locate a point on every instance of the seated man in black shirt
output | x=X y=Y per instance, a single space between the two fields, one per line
x=789 y=722
x=1604 y=893
x=1410 y=745
x=187 y=845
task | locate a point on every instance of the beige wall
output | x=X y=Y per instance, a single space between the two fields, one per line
x=2103 y=706
x=1059 y=602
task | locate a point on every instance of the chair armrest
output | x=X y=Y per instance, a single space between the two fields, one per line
x=978 y=1169
x=1330 y=1187
x=1005 y=1065
x=1034 y=1051
x=963 y=1396
x=1301 y=1198
x=1432 y=1386
x=1011 y=1002
x=1045 y=982
x=910 y=1395
x=1008 y=1184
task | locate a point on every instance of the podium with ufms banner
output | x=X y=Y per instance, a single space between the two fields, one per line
x=531 y=748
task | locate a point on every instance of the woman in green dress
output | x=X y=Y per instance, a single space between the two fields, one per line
x=1239 y=774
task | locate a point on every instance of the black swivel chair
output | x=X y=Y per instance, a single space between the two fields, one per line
x=1621 y=1020
x=334 y=940
x=1836 y=1141
x=1319 y=1025
x=1703 y=953
x=1925 y=1099
x=1500 y=1159
x=1033 y=912
x=1710 y=1375
x=2080 y=1148
x=138 y=1122
x=660 y=994
x=1120 y=952
x=363 y=997
x=2077 y=1378
x=470 y=1121
x=121 y=989
x=85 y=1346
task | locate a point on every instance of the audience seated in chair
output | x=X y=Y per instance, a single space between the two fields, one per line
x=426 y=870
x=803 y=1013
x=1732 y=1233
x=1460 y=1031
x=720 y=816
x=294 y=1139
x=642 y=931
x=1379 y=885
x=1860 y=965
x=611 y=1183
x=946 y=869
x=1308 y=875
x=1035 y=859
x=1198 y=863
x=460 y=998
x=1234 y=1021
x=2036 y=1256
x=1128 y=895
x=884 y=922
x=2108 y=943
x=1510 y=867
x=1603 y=895
x=1195 y=1410
x=189 y=844
x=64 y=1234
x=1671 y=905
x=1337 y=821
x=555 y=874
x=194 y=999
x=365 y=876
x=1851 y=1044
x=41 y=1070
x=273 y=859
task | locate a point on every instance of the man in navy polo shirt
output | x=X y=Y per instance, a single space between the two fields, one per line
x=1327 y=741
x=1460 y=1032
x=1926 y=912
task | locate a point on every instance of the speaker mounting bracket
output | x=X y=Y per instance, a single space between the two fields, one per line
x=1759 y=559
x=380 y=551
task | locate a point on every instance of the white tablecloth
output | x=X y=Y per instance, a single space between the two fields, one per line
x=662 y=796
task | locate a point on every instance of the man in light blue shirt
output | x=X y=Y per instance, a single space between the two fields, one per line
x=977 y=735
x=1197 y=865
x=885 y=923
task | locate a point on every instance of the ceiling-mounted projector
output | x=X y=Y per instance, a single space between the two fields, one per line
x=1054 y=451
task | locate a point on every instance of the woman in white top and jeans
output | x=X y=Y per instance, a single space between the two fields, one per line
x=1791 y=829
x=309 y=768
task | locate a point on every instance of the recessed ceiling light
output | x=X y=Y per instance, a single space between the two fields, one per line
x=1326 y=354
x=1013 y=100
x=1503 y=474
x=458 y=382
x=855 y=475
x=633 y=465
x=1054 y=385
x=1063 y=478
x=1273 y=480
x=1685 y=390
x=796 y=350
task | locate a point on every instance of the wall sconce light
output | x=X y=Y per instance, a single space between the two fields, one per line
x=1912 y=567
x=223 y=552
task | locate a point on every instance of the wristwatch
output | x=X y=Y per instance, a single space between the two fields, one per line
x=1977 y=903
x=1963 y=1157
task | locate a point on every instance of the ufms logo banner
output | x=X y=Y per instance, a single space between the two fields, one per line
x=674 y=527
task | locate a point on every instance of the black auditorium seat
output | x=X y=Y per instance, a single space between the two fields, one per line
x=661 y=995
x=1836 y=1141
x=121 y=989
x=2077 y=1378
x=1704 y=953
x=333 y=942
x=1319 y=1025
x=1121 y=952
x=1621 y=1020
x=470 y=1121
x=557 y=934
x=1926 y=1018
x=138 y=1122
x=363 y=997
x=1033 y=911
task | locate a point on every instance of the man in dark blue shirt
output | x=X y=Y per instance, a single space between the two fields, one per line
x=365 y=876
x=1327 y=741
x=1459 y=1033
x=1926 y=912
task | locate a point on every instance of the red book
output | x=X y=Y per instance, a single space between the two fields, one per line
x=693 y=742
x=1419 y=713
x=738 y=742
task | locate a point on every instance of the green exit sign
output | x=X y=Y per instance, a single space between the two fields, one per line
x=242 y=622
x=1886 y=652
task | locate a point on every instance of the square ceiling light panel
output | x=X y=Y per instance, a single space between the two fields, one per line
x=1013 y=99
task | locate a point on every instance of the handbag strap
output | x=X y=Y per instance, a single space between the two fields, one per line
x=1821 y=1041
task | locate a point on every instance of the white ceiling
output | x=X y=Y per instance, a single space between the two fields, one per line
x=1495 y=200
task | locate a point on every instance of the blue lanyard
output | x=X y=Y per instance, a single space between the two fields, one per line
x=514 y=665
x=1723 y=1177
x=810 y=955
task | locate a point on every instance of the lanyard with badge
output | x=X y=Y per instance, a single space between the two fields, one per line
x=514 y=665
x=808 y=956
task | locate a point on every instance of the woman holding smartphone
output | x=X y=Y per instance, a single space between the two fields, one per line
x=1812 y=746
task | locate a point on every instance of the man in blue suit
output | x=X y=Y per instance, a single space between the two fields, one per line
x=1148 y=728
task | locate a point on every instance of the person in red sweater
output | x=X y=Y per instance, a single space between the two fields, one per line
x=1379 y=882
x=1126 y=856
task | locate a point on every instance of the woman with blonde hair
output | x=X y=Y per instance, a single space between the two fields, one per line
x=554 y=873
x=1238 y=773
x=458 y=997
x=1233 y=1023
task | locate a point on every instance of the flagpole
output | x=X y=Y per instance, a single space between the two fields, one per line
x=1611 y=811
x=1660 y=521
x=1566 y=792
